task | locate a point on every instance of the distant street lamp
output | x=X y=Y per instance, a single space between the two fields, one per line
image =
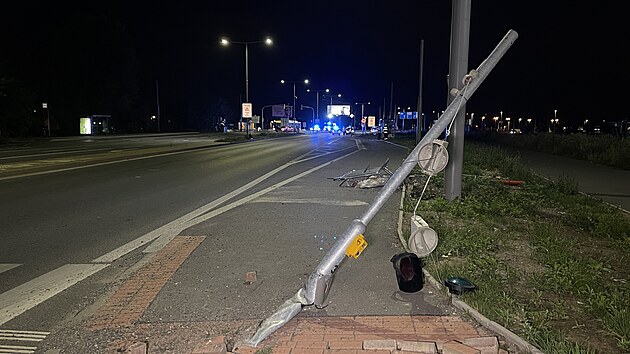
x=284 y=82
x=225 y=42
x=496 y=122
x=508 y=124
x=483 y=126
x=317 y=103
x=501 y=120
x=311 y=108
x=362 y=107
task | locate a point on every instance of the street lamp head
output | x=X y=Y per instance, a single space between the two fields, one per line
x=327 y=90
x=306 y=81
x=225 y=41
x=282 y=81
x=268 y=41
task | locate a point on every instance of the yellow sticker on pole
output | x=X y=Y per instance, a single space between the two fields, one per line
x=356 y=247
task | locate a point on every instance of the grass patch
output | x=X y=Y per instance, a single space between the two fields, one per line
x=550 y=264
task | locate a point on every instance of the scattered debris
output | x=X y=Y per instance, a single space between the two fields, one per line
x=250 y=277
x=352 y=178
x=509 y=182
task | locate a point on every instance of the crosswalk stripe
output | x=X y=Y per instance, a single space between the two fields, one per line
x=16 y=349
x=16 y=336
x=30 y=294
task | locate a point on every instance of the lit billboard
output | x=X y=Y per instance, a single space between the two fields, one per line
x=338 y=110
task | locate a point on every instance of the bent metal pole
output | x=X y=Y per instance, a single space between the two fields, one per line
x=319 y=282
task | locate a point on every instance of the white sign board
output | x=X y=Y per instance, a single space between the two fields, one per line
x=247 y=110
x=44 y=105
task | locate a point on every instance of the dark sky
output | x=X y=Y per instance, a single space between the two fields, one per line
x=569 y=56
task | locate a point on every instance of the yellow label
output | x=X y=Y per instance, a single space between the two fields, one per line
x=356 y=247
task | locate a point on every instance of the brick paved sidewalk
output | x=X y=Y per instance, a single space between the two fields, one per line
x=369 y=334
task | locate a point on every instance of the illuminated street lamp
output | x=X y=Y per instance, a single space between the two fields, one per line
x=496 y=122
x=225 y=42
x=317 y=103
x=362 y=114
x=284 y=82
x=508 y=123
x=483 y=123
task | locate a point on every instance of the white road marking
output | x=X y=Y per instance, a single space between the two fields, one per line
x=16 y=349
x=166 y=233
x=30 y=294
x=8 y=266
x=92 y=165
x=320 y=201
x=166 y=238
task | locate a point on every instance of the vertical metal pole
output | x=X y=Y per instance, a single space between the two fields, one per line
x=317 y=105
x=420 y=117
x=293 y=110
x=48 y=121
x=157 y=100
x=246 y=74
x=391 y=104
x=460 y=28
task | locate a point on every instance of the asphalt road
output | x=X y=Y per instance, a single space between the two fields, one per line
x=77 y=222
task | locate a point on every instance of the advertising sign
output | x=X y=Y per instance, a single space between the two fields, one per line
x=338 y=110
x=281 y=111
x=371 y=121
x=247 y=110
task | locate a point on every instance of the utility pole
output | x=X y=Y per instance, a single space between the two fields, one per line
x=460 y=28
x=420 y=118
x=157 y=99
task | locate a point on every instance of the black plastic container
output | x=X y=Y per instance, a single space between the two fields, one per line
x=409 y=274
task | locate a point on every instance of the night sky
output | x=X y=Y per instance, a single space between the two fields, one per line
x=570 y=57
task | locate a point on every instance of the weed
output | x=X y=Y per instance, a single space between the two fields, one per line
x=549 y=263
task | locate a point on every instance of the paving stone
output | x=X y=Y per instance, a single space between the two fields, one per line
x=137 y=348
x=486 y=345
x=250 y=277
x=455 y=347
x=215 y=345
x=417 y=347
x=385 y=344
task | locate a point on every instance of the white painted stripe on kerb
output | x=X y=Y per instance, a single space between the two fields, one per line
x=28 y=295
x=8 y=266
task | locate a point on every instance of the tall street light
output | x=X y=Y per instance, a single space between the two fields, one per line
x=225 y=42
x=317 y=103
x=284 y=82
x=362 y=115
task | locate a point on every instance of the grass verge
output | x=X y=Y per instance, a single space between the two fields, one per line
x=550 y=264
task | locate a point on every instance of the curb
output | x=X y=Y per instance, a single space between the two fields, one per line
x=510 y=336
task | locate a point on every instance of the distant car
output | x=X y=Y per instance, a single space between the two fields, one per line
x=349 y=131
x=288 y=129
x=374 y=130
x=335 y=130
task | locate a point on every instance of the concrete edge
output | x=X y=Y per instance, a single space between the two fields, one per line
x=510 y=336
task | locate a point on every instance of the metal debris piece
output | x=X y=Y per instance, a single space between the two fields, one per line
x=352 y=178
